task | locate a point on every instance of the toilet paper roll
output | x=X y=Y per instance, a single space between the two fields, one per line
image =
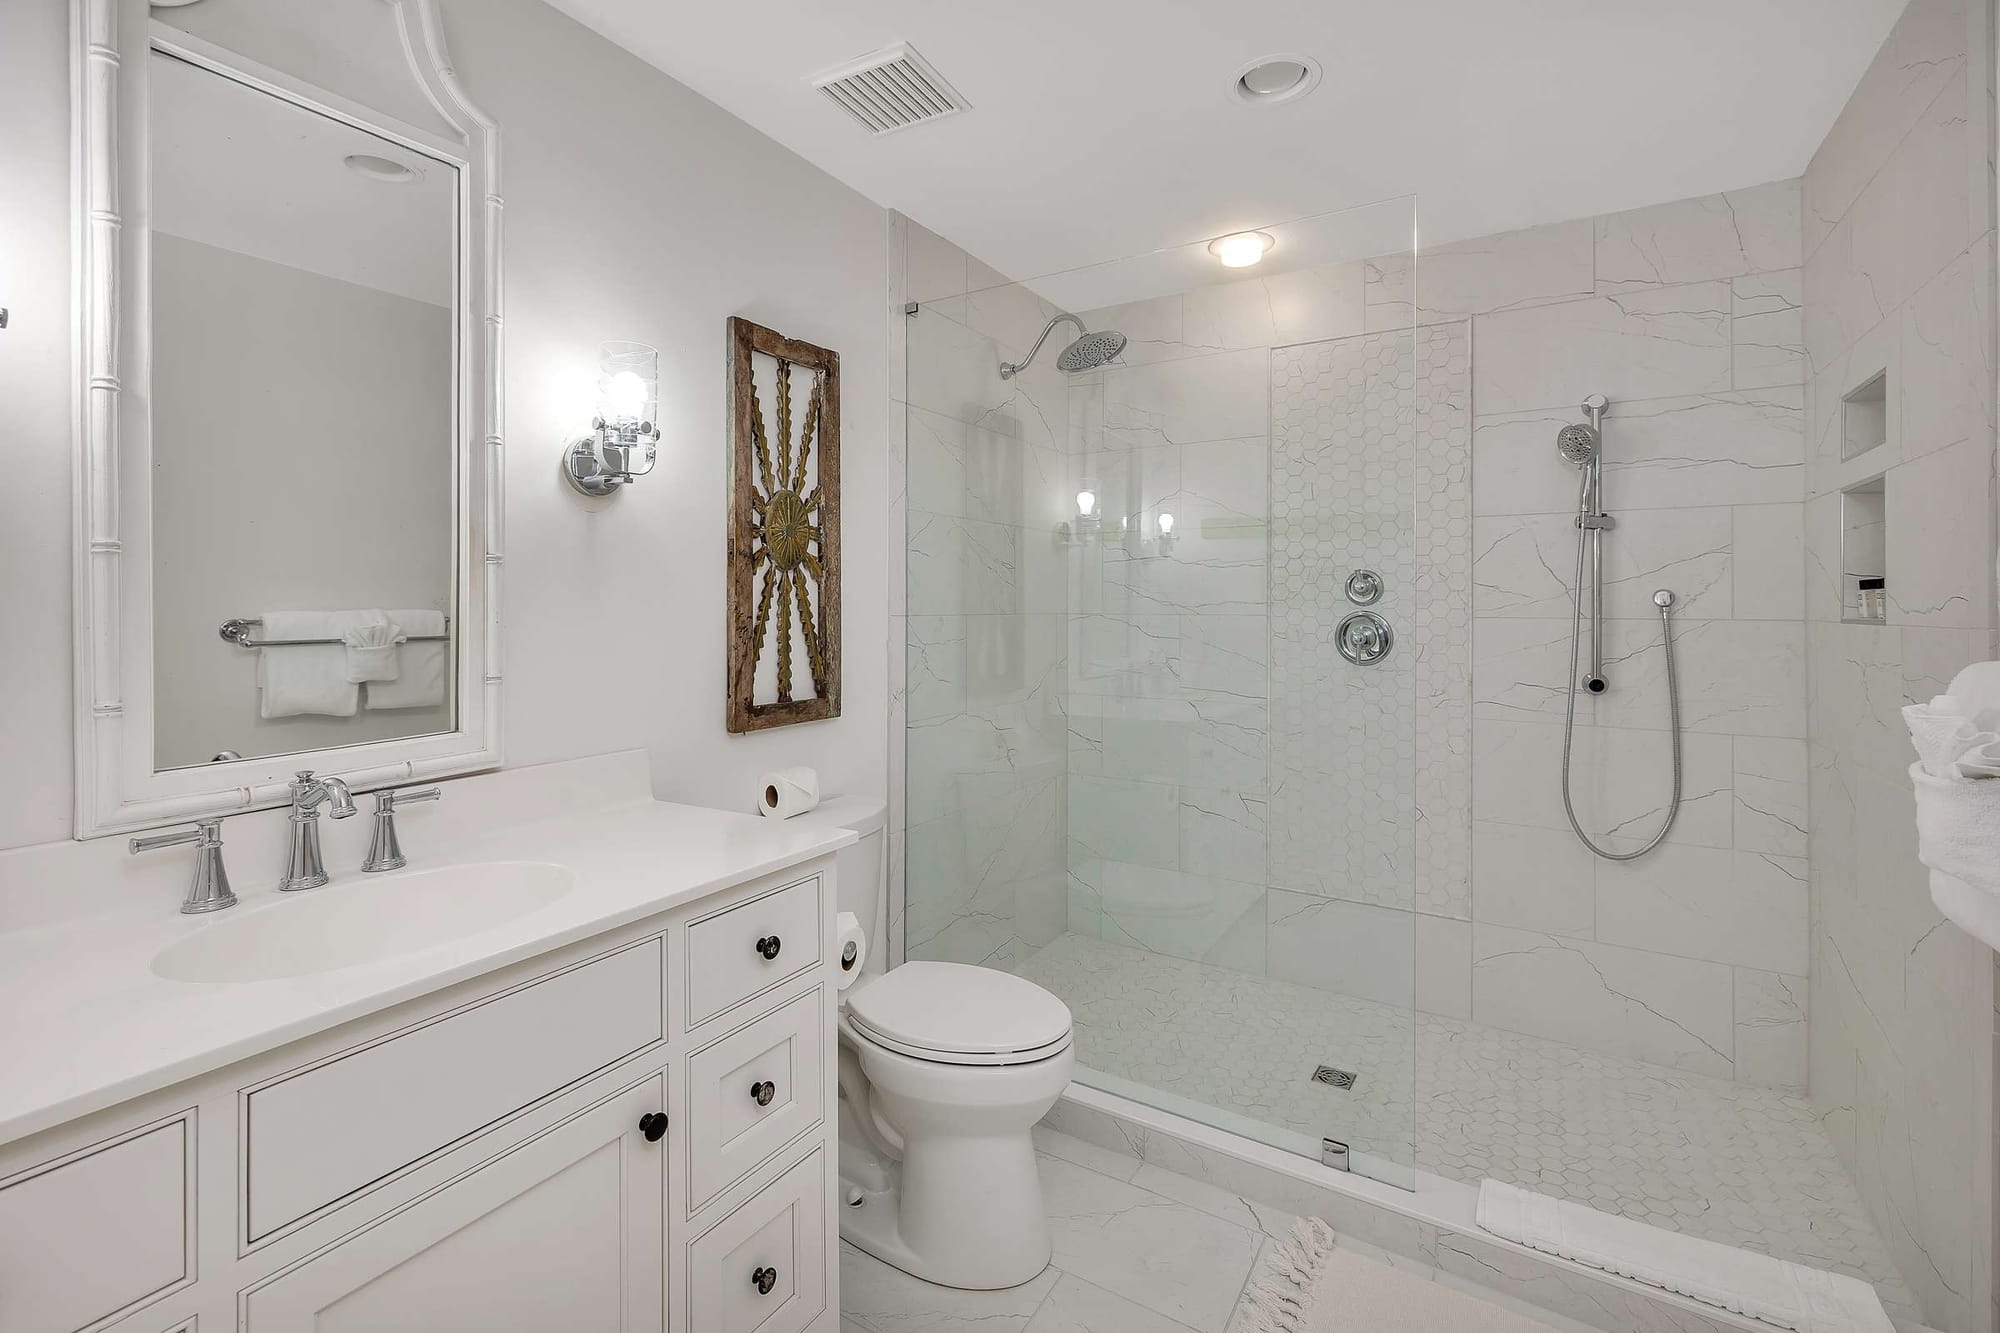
x=788 y=792
x=850 y=949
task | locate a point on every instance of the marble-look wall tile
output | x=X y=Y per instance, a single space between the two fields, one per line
x=1940 y=517
x=1716 y=449
x=1767 y=575
x=1223 y=396
x=1924 y=52
x=1945 y=337
x=984 y=472
x=1655 y=342
x=1693 y=240
x=1649 y=1006
x=1223 y=834
x=1513 y=270
x=1537 y=879
x=1747 y=908
x=1304 y=305
x=1767 y=332
x=1351 y=948
x=1770 y=799
x=1205 y=918
x=1137 y=822
x=1771 y=1031
x=1525 y=565
x=1444 y=967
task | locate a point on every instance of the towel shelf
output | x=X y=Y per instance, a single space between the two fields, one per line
x=238 y=632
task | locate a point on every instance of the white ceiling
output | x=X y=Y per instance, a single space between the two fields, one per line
x=1101 y=128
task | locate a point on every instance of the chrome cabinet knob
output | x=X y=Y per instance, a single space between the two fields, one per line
x=768 y=946
x=762 y=1093
x=764 y=1279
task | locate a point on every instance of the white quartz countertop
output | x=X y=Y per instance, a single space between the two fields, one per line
x=89 y=1024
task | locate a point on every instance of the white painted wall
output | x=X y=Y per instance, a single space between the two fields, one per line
x=634 y=209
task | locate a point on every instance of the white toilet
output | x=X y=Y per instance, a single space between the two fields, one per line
x=944 y=1070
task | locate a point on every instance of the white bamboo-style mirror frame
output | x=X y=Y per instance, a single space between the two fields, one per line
x=117 y=785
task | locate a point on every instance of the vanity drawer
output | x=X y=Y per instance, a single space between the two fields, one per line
x=746 y=948
x=96 y=1232
x=779 y=1058
x=780 y=1232
x=316 y=1135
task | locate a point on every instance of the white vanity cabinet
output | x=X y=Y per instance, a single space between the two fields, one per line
x=630 y=1133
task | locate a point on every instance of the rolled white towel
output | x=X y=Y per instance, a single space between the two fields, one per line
x=1941 y=732
x=1958 y=827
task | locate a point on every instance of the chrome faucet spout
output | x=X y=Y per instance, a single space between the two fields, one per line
x=305 y=868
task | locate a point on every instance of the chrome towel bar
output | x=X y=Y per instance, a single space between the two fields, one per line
x=238 y=632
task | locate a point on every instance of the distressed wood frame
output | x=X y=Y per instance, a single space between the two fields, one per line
x=117 y=787
x=746 y=340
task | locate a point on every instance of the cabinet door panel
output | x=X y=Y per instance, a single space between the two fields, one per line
x=566 y=1231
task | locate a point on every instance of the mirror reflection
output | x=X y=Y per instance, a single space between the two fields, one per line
x=303 y=284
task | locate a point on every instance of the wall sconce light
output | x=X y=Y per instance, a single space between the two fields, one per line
x=624 y=438
x=1166 y=524
x=1088 y=519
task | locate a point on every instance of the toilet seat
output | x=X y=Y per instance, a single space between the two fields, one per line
x=950 y=1013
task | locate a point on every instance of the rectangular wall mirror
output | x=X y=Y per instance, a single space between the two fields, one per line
x=288 y=460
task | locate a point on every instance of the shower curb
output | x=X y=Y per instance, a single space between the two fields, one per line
x=1432 y=1224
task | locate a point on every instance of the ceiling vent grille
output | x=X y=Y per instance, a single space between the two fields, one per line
x=891 y=90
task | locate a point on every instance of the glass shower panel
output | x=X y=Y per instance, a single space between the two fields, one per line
x=1140 y=769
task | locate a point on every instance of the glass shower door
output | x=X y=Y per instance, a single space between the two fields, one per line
x=1140 y=770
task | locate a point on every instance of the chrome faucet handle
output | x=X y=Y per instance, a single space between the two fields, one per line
x=385 y=851
x=209 y=890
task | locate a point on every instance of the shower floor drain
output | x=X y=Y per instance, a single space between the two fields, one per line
x=1333 y=1078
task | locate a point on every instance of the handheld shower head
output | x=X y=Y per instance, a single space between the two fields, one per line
x=1577 y=444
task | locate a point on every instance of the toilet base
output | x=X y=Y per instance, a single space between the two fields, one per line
x=869 y=1222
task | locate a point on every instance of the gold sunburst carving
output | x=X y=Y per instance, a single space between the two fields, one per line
x=786 y=537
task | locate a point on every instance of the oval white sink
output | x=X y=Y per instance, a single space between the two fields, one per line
x=350 y=922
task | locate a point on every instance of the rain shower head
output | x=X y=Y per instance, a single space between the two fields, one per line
x=1577 y=444
x=1088 y=352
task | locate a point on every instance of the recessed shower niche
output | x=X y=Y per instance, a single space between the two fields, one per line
x=1864 y=418
x=1863 y=558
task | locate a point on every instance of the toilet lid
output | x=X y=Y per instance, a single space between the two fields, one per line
x=951 y=1008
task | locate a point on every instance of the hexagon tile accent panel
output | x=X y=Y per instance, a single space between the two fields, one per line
x=1371 y=469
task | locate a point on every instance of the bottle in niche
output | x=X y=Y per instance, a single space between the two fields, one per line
x=1873 y=599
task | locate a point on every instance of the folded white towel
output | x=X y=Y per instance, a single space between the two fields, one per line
x=419 y=681
x=371 y=648
x=1786 y=1294
x=306 y=678
x=1942 y=732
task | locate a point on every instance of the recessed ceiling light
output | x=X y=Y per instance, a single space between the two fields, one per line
x=378 y=168
x=1241 y=249
x=1278 y=78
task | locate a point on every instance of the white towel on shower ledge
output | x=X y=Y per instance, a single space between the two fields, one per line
x=1775 y=1291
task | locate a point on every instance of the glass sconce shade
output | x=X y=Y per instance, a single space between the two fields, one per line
x=628 y=384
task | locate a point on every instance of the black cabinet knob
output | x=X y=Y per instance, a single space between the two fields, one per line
x=768 y=946
x=763 y=1092
x=764 y=1279
x=653 y=1126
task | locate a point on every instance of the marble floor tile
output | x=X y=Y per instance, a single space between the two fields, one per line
x=883 y=1299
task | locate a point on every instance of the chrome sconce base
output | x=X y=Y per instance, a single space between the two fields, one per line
x=610 y=458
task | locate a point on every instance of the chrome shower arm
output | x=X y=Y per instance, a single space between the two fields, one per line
x=1009 y=369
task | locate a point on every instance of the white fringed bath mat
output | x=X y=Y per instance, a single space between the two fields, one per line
x=1312 y=1287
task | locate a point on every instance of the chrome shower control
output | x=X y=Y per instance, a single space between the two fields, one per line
x=1364 y=587
x=1364 y=638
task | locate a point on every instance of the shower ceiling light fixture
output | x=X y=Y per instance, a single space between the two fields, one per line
x=1241 y=249
x=1276 y=78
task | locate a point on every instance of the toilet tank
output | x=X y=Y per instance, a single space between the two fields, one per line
x=862 y=868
